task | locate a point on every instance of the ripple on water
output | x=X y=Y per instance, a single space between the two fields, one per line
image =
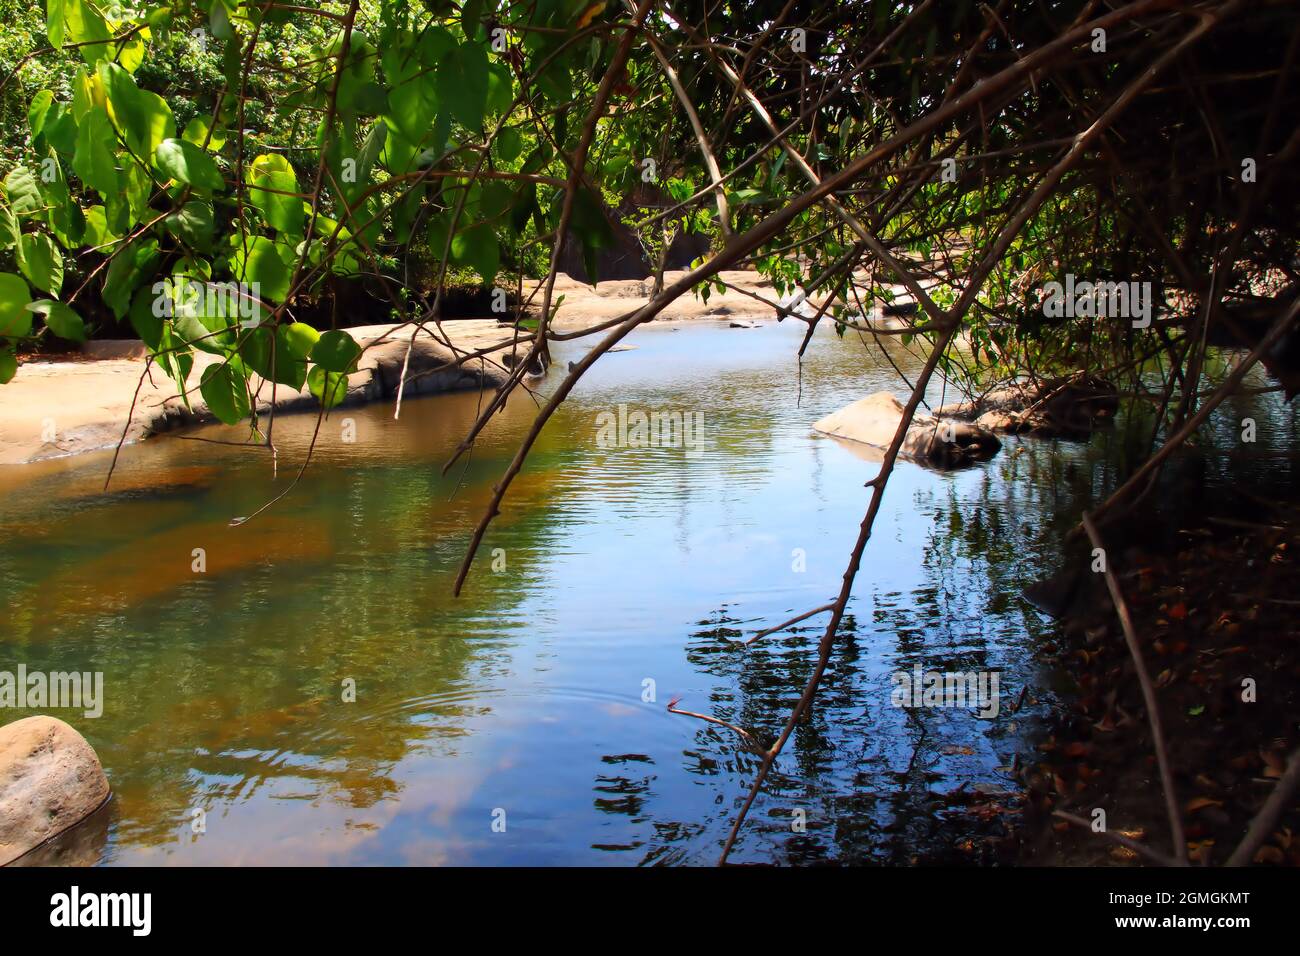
x=319 y=692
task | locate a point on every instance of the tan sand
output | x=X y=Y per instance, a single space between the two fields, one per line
x=67 y=406
x=55 y=408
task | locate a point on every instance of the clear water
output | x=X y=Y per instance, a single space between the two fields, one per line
x=224 y=689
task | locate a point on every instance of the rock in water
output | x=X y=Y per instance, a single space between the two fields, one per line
x=1071 y=407
x=931 y=441
x=50 y=780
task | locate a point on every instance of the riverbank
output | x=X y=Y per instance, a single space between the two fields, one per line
x=1213 y=609
x=66 y=405
x=745 y=296
x=82 y=403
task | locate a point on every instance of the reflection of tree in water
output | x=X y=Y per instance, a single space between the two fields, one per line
x=623 y=792
x=877 y=782
x=886 y=784
x=199 y=715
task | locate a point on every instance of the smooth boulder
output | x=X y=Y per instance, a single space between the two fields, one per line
x=944 y=443
x=50 y=780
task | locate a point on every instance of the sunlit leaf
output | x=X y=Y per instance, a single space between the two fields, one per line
x=186 y=163
x=15 y=319
x=225 y=389
x=273 y=192
x=41 y=262
x=61 y=320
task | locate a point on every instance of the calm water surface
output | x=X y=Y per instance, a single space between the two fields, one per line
x=626 y=570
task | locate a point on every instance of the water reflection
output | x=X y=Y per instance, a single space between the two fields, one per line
x=537 y=699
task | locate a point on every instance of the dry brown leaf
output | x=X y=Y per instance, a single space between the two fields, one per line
x=1270 y=854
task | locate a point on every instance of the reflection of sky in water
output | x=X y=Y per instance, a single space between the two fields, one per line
x=622 y=565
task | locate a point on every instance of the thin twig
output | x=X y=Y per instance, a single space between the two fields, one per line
x=1148 y=694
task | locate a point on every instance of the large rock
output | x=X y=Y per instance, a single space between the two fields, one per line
x=50 y=780
x=945 y=443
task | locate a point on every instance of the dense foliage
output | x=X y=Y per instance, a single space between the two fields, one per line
x=210 y=171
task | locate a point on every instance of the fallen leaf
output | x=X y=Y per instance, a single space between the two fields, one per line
x=1270 y=854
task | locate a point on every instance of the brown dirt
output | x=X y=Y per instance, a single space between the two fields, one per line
x=1212 y=613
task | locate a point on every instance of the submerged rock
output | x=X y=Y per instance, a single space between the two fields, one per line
x=944 y=443
x=50 y=780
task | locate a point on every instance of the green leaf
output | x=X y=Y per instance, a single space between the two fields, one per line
x=358 y=71
x=87 y=94
x=147 y=324
x=137 y=188
x=350 y=178
x=336 y=352
x=40 y=261
x=130 y=52
x=330 y=388
x=463 y=83
x=24 y=192
x=589 y=224
x=193 y=224
x=66 y=218
x=477 y=247
x=189 y=328
x=273 y=192
x=409 y=66
x=555 y=81
x=262 y=266
x=9 y=230
x=54 y=14
x=176 y=360
x=225 y=390
x=412 y=106
x=366 y=157
x=15 y=318
x=93 y=158
x=8 y=366
x=84 y=25
x=500 y=92
x=96 y=232
x=301 y=338
x=144 y=118
x=57 y=128
x=199 y=132
x=293 y=345
x=186 y=163
x=128 y=269
x=495 y=199
x=61 y=320
x=38 y=112
x=204 y=314
x=509 y=144
x=471 y=16
x=524 y=207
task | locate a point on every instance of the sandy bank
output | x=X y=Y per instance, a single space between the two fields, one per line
x=63 y=407
x=747 y=297
x=54 y=408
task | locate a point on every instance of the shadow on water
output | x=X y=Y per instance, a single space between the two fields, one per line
x=524 y=722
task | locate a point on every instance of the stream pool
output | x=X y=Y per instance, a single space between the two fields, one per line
x=609 y=585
